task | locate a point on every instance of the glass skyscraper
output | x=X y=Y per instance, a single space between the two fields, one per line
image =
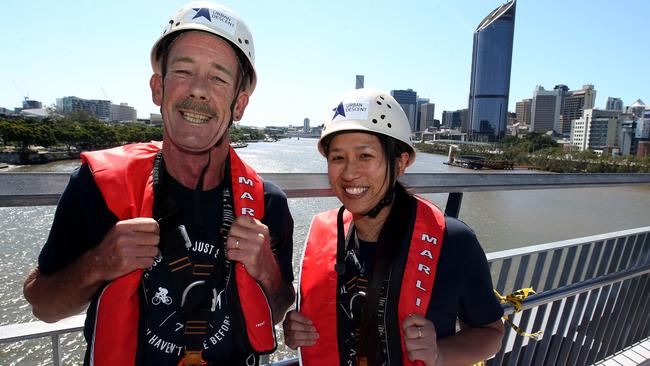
x=490 y=83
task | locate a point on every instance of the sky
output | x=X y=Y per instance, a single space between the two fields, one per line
x=309 y=51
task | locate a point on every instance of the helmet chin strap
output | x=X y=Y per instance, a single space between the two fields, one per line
x=386 y=201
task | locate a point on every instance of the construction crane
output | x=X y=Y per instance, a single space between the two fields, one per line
x=25 y=96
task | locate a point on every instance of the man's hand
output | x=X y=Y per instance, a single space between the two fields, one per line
x=249 y=243
x=299 y=331
x=129 y=245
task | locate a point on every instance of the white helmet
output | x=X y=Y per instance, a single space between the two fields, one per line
x=369 y=110
x=215 y=19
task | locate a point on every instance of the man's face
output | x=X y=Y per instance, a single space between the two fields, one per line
x=197 y=91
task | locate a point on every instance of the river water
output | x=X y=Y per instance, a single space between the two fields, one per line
x=501 y=220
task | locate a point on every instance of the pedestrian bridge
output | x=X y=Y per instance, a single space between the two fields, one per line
x=592 y=294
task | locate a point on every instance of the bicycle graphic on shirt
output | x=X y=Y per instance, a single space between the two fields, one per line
x=161 y=297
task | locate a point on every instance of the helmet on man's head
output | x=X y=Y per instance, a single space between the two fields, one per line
x=368 y=110
x=215 y=19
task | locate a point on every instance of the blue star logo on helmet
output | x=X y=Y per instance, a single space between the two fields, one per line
x=202 y=12
x=339 y=111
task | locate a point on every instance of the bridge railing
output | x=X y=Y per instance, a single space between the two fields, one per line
x=592 y=292
x=592 y=300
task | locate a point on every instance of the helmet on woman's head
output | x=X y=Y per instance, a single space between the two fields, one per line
x=369 y=110
x=215 y=19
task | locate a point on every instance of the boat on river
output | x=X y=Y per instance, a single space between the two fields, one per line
x=238 y=144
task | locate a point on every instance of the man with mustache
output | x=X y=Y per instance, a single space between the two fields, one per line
x=181 y=249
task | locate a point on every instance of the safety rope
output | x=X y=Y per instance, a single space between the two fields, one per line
x=516 y=299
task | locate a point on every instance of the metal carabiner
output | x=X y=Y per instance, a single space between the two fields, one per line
x=188 y=288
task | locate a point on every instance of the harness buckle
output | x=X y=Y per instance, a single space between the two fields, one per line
x=192 y=358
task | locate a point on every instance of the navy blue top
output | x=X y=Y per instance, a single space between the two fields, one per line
x=82 y=219
x=463 y=286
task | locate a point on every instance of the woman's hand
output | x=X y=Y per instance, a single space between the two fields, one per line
x=299 y=330
x=420 y=339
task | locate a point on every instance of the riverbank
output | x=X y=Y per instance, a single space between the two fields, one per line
x=550 y=159
x=32 y=157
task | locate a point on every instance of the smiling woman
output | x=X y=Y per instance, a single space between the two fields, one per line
x=387 y=275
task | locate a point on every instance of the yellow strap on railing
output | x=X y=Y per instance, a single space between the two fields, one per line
x=516 y=299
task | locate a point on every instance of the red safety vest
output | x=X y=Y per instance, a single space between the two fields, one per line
x=124 y=177
x=318 y=279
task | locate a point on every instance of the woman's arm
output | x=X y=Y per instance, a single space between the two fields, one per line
x=470 y=345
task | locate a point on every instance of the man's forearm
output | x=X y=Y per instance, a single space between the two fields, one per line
x=61 y=294
x=280 y=294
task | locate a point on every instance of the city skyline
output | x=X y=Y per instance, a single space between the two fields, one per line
x=309 y=54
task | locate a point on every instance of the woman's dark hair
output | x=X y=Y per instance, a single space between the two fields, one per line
x=390 y=238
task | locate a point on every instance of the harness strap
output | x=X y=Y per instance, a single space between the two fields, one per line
x=194 y=280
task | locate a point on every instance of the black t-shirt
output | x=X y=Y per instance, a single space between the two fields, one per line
x=462 y=288
x=82 y=219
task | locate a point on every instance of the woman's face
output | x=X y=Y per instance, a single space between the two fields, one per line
x=356 y=167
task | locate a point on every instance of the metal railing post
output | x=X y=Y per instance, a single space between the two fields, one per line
x=56 y=349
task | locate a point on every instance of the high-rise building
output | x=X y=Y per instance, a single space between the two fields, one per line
x=418 y=120
x=490 y=80
x=637 y=108
x=359 y=82
x=596 y=130
x=545 y=110
x=408 y=99
x=522 y=110
x=100 y=109
x=643 y=126
x=427 y=111
x=123 y=113
x=626 y=138
x=614 y=104
x=573 y=105
x=455 y=119
x=305 y=125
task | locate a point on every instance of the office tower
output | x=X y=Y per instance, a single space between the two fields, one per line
x=305 y=125
x=464 y=120
x=359 y=82
x=573 y=105
x=455 y=119
x=427 y=120
x=627 y=140
x=418 y=120
x=643 y=126
x=545 y=110
x=637 y=108
x=522 y=110
x=446 y=118
x=408 y=99
x=123 y=113
x=100 y=109
x=614 y=104
x=490 y=80
x=595 y=130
